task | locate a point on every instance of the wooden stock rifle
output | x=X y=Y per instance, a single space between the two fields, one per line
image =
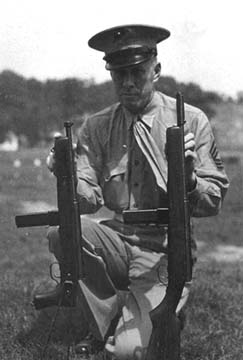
x=164 y=343
x=67 y=217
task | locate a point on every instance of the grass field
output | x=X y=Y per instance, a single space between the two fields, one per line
x=214 y=328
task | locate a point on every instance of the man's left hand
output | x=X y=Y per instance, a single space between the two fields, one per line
x=190 y=159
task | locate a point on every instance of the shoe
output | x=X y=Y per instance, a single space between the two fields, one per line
x=83 y=349
x=60 y=296
x=89 y=346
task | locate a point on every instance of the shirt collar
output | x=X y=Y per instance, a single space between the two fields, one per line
x=147 y=115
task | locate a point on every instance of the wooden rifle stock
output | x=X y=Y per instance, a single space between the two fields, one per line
x=68 y=219
x=164 y=343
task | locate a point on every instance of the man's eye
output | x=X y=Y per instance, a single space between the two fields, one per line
x=137 y=72
x=119 y=74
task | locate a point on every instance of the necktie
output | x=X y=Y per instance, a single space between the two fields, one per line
x=152 y=153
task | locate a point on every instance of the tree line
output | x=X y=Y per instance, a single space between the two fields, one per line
x=35 y=109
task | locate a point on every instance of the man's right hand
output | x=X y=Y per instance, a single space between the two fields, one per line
x=50 y=160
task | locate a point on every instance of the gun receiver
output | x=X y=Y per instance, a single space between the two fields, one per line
x=68 y=219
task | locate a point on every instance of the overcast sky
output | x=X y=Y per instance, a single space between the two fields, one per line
x=48 y=38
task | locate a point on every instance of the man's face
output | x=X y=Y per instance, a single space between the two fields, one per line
x=134 y=84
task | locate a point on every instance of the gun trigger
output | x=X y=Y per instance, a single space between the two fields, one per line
x=54 y=276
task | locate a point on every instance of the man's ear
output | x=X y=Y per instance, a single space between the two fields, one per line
x=157 y=72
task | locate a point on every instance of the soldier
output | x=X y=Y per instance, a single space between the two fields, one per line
x=121 y=163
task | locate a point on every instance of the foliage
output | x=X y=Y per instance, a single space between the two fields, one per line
x=36 y=109
x=228 y=126
x=192 y=93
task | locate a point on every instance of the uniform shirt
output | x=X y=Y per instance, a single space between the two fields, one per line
x=113 y=171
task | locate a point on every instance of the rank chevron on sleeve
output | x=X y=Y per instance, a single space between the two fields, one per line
x=215 y=155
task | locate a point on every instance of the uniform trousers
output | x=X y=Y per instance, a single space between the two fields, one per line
x=119 y=279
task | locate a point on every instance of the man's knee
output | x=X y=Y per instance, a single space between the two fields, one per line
x=88 y=235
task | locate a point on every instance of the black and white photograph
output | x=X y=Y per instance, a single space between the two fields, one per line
x=121 y=168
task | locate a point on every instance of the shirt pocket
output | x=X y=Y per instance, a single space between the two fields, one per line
x=115 y=188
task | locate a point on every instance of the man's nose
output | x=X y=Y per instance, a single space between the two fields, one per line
x=128 y=79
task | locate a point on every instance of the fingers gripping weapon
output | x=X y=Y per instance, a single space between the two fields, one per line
x=164 y=343
x=68 y=218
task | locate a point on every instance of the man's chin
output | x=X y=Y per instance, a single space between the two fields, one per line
x=134 y=103
x=132 y=106
x=132 y=109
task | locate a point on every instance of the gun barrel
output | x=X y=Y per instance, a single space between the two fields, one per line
x=38 y=219
x=180 y=109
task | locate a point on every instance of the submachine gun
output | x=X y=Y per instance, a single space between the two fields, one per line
x=164 y=343
x=67 y=217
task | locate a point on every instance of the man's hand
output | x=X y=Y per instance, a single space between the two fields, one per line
x=50 y=160
x=190 y=158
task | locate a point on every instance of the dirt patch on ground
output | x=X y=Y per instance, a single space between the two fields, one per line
x=220 y=253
